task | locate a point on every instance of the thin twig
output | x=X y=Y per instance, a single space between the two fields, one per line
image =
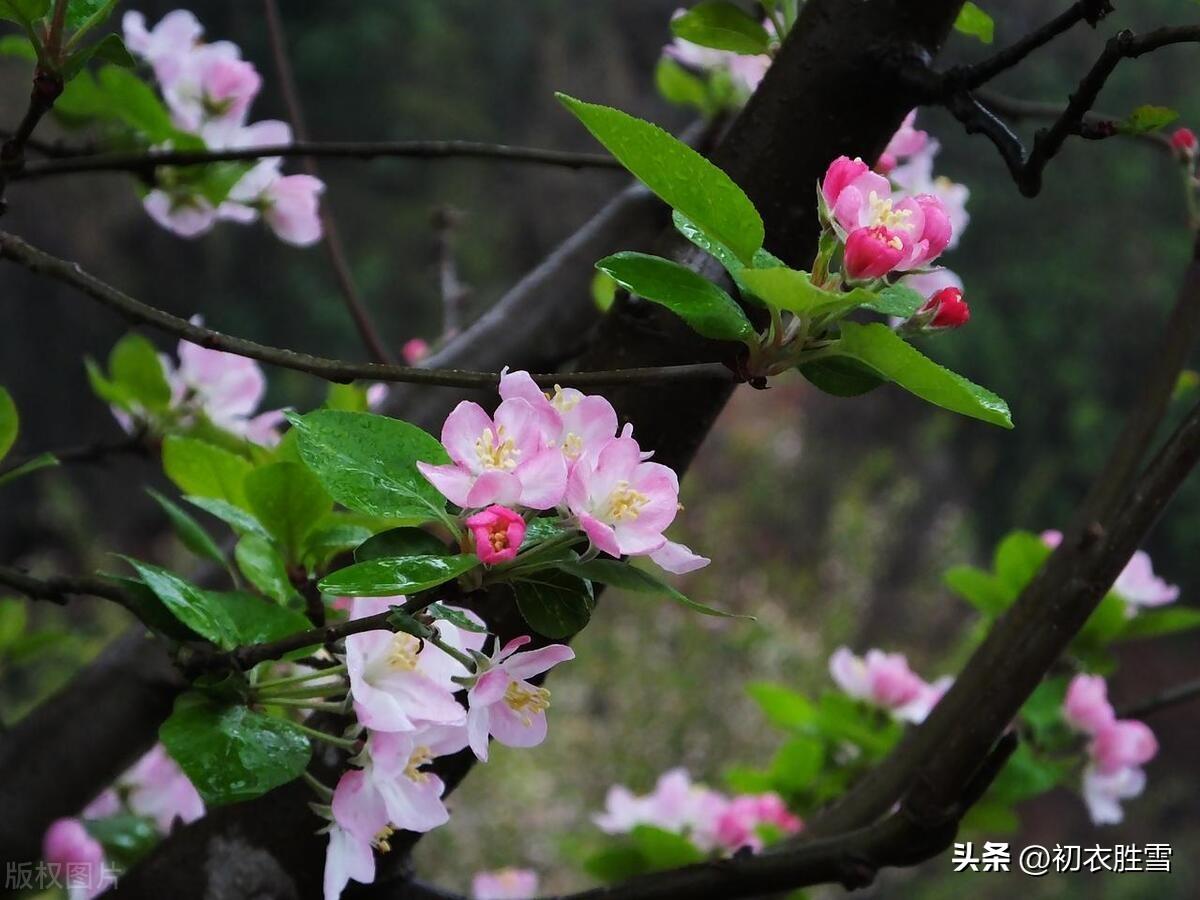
x=61 y=588
x=1180 y=693
x=972 y=76
x=1019 y=108
x=334 y=248
x=17 y=250
x=446 y=220
x=143 y=163
x=94 y=452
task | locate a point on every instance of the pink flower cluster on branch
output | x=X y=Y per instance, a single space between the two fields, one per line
x=712 y=821
x=208 y=89
x=884 y=680
x=1117 y=749
x=1137 y=585
x=744 y=70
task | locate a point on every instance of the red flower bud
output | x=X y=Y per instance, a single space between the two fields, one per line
x=948 y=308
x=1183 y=142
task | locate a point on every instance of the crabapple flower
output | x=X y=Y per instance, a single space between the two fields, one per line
x=167 y=45
x=622 y=503
x=578 y=424
x=158 y=790
x=1086 y=707
x=291 y=208
x=947 y=308
x=1183 y=142
x=360 y=824
x=745 y=70
x=872 y=252
x=211 y=84
x=502 y=703
x=187 y=215
x=906 y=142
x=505 y=884
x=70 y=849
x=1138 y=586
x=498 y=532
x=1123 y=744
x=746 y=818
x=414 y=350
x=396 y=683
x=1103 y=793
x=916 y=177
x=505 y=460
x=885 y=680
x=676 y=804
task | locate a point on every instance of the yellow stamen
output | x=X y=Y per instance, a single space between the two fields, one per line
x=495 y=451
x=561 y=401
x=526 y=701
x=625 y=502
x=572 y=446
x=380 y=840
x=883 y=213
x=420 y=756
x=404 y=651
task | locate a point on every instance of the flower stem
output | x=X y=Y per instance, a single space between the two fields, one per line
x=302 y=677
x=344 y=743
x=314 y=692
x=321 y=789
x=467 y=662
x=303 y=703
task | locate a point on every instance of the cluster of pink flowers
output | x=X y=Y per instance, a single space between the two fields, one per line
x=403 y=693
x=1117 y=749
x=885 y=680
x=225 y=388
x=746 y=71
x=712 y=821
x=505 y=884
x=560 y=452
x=154 y=788
x=208 y=89
x=1137 y=584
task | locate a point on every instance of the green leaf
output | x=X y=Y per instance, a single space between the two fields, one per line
x=1043 y=709
x=110 y=48
x=81 y=11
x=722 y=26
x=41 y=461
x=201 y=469
x=132 y=101
x=368 y=463
x=1026 y=775
x=401 y=542
x=629 y=578
x=677 y=85
x=24 y=12
x=135 y=366
x=332 y=539
x=235 y=517
x=1019 y=556
x=126 y=838
x=554 y=604
x=1156 y=622
x=762 y=259
x=797 y=764
x=783 y=707
x=684 y=179
x=704 y=306
x=979 y=588
x=1104 y=624
x=17 y=45
x=881 y=349
x=403 y=575
x=13 y=619
x=346 y=397
x=975 y=22
x=841 y=376
x=256 y=620
x=664 y=849
x=1145 y=119
x=190 y=604
x=288 y=500
x=10 y=422
x=613 y=864
x=151 y=611
x=231 y=753
x=266 y=569
x=189 y=531
x=456 y=617
x=893 y=300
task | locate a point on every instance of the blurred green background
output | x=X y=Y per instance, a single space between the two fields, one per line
x=830 y=520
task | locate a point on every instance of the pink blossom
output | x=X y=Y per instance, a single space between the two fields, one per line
x=505 y=884
x=396 y=683
x=414 y=350
x=872 y=252
x=502 y=703
x=211 y=83
x=885 y=680
x=1103 y=792
x=498 y=533
x=1086 y=707
x=842 y=173
x=392 y=763
x=578 y=424
x=360 y=823
x=929 y=283
x=291 y=209
x=1138 y=586
x=376 y=395
x=167 y=45
x=505 y=460
x=158 y=789
x=948 y=309
x=678 y=559
x=622 y=503
x=676 y=805
x=742 y=822
x=935 y=233
x=78 y=856
x=916 y=177
x=1125 y=743
x=1052 y=537
x=186 y=215
x=106 y=804
x=907 y=141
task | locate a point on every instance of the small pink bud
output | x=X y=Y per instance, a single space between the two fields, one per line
x=414 y=351
x=949 y=309
x=1183 y=142
x=840 y=173
x=1086 y=707
x=498 y=532
x=872 y=252
x=1122 y=744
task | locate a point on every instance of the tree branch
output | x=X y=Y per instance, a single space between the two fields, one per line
x=1019 y=108
x=94 y=452
x=17 y=250
x=61 y=588
x=1173 y=696
x=144 y=163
